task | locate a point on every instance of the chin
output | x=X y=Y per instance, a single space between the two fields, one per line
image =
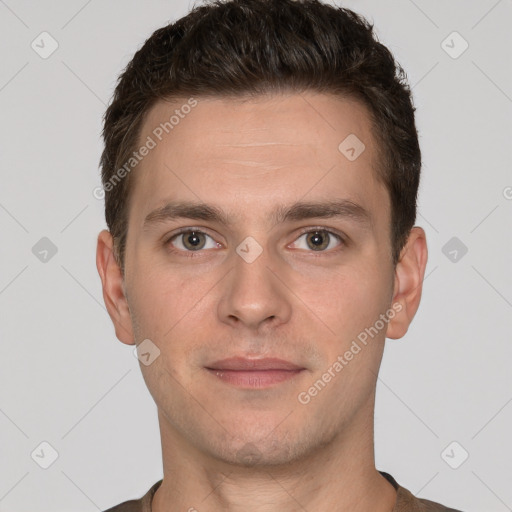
x=263 y=448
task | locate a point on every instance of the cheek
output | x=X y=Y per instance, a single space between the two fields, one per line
x=345 y=300
x=168 y=301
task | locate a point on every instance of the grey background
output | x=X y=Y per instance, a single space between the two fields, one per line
x=66 y=380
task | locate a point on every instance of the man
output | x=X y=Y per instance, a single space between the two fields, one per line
x=261 y=169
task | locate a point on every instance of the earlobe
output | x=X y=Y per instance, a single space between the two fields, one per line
x=409 y=274
x=113 y=288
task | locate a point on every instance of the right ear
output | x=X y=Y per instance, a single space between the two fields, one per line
x=113 y=288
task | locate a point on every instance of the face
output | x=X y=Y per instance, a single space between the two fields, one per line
x=252 y=235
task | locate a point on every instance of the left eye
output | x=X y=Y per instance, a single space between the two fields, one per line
x=193 y=241
x=319 y=240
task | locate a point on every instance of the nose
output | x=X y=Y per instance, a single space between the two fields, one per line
x=254 y=295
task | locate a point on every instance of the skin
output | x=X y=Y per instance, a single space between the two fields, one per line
x=231 y=449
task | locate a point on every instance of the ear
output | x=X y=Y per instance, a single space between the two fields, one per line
x=409 y=274
x=113 y=288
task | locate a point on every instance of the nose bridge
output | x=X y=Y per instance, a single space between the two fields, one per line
x=254 y=295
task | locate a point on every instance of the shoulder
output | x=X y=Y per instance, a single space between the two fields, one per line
x=127 y=506
x=142 y=504
x=407 y=502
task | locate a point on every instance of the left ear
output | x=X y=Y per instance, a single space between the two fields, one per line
x=409 y=274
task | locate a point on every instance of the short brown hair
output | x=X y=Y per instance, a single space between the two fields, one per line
x=241 y=48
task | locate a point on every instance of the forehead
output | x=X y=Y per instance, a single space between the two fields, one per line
x=301 y=144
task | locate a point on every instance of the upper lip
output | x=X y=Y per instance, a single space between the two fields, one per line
x=242 y=363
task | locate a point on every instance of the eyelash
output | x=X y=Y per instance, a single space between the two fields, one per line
x=192 y=254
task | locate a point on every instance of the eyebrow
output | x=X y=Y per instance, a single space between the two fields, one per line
x=341 y=208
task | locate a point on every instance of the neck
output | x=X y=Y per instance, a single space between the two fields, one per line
x=340 y=475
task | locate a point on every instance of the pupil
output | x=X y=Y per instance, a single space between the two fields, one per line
x=318 y=240
x=193 y=239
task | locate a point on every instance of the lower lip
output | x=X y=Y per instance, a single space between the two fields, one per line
x=255 y=379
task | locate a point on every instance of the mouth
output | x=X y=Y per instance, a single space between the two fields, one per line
x=254 y=373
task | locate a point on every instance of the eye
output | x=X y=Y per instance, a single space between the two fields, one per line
x=192 y=240
x=318 y=240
